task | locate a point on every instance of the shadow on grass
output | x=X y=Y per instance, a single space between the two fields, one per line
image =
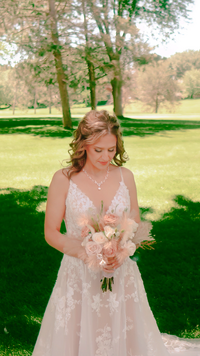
x=52 y=127
x=28 y=267
x=171 y=272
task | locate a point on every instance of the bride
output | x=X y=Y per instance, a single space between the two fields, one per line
x=81 y=320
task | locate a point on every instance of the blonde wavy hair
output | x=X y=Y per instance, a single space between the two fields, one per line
x=94 y=125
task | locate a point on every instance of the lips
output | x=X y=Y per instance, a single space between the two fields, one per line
x=104 y=163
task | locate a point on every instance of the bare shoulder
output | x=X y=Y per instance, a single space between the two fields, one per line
x=127 y=175
x=60 y=180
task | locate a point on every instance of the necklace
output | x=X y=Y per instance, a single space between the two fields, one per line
x=93 y=180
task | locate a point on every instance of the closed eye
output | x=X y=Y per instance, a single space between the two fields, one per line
x=99 y=150
x=112 y=150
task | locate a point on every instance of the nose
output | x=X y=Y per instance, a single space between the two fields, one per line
x=105 y=155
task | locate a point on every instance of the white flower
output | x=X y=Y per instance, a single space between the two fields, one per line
x=131 y=226
x=131 y=247
x=126 y=236
x=99 y=237
x=109 y=231
x=85 y=241
x=87 y=238
x=92 y=230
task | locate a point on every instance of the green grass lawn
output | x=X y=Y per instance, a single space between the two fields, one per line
x=54 y=112
x=165 y=160
x=189 y=107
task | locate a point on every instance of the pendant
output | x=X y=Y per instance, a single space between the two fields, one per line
x=99 y=188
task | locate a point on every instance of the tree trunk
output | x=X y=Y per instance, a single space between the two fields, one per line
x=13 y=106
x=92 y=84
x=90 y=65
x=116 y=83
x=14 y=99
x=50 y=99
x=67 y=123
x=35 y=101
x=157 y=105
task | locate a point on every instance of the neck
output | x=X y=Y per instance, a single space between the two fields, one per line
x=92 y=170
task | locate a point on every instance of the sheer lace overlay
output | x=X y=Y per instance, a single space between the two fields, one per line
x=81 y=320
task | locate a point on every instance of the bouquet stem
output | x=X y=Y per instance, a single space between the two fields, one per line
x=107 y=284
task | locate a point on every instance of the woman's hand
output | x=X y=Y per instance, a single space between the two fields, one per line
x=112 y=264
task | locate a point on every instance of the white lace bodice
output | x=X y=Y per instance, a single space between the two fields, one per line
x=78 y=203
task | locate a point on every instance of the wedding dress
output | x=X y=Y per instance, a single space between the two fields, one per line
x=81 y=320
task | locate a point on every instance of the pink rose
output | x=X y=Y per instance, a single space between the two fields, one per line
x=110 y=248
x=92 y=248
x=99 y=237
x=111 y=219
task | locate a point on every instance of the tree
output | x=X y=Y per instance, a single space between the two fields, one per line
x=156 y=85
x=90 y=64
x=3 y=51
x=38 y=28
x=13 y=88
x=33 y=27
x=185 y=61
x=59 y=65
x=191 y=82
x=5 y=94
x=88 y=50
x=116 y=22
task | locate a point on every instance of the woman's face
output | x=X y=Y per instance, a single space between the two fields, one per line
x=101 y=153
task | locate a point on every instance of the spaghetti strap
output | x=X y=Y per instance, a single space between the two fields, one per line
x=121 y=175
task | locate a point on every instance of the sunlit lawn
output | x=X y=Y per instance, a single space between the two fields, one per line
x=166 y=167
x=189 y=107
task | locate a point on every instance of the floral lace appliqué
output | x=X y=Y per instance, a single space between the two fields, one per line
x=97 y=303
x=113 y=303
x=104 y=342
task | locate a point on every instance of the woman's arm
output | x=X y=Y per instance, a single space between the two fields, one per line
x=130 y=183
x=144 y=228
x=55 y=212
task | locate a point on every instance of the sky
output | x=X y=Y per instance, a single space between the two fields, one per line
x=187 y=38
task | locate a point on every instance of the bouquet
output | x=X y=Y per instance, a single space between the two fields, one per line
x=108 y=235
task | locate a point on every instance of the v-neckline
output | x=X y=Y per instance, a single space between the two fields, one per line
x=94 y=206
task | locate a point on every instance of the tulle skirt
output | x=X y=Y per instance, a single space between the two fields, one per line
x=81 y=320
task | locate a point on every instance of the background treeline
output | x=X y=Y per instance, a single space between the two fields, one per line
x=160 y=81
x=89 y=52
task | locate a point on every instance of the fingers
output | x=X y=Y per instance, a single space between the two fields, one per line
x=109 y=270
x=111 y=265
